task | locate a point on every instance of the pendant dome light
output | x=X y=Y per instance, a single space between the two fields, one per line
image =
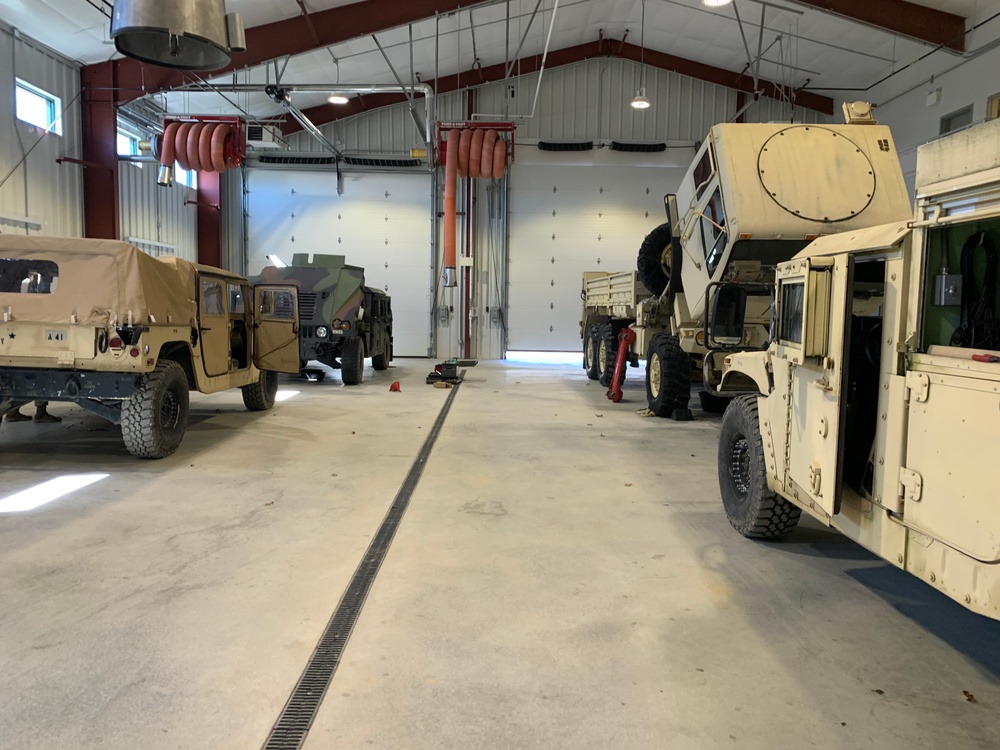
x=641 y=101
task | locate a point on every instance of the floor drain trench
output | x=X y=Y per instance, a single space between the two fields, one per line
x=290 y=730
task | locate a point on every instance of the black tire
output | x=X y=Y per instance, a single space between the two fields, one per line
x=607 y=350
x=713 y=404
x=352 y=361
x=154 y=419
x=652 y=271
x=751 y=507
x=380 y=361
x=259 y=396
x=591 y=342
x=668 y=376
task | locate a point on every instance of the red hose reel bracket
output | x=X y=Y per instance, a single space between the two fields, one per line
x=500 y=127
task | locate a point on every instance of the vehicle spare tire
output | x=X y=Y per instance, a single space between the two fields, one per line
x=652 y=271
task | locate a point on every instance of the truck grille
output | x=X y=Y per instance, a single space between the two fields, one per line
x=307 y=306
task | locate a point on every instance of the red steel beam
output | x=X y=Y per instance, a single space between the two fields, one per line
x=291 y=36
x=328 y=112
x=100 y=154
x=210 y=219
x=900 y=17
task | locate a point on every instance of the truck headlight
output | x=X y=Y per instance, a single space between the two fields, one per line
x=322 y=332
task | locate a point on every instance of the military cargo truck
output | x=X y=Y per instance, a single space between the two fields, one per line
x=609 y=301
x=754 y=196
x=874 y=407
x=343 y=321
x=100 y=324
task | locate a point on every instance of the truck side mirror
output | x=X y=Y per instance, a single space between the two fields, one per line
x=670 y=206
x=729 y=309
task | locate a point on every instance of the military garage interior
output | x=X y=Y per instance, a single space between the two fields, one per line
x=499 y=374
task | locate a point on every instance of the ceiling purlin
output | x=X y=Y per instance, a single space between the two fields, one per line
x=900 y=17
x=605 y=47
x=291 y=36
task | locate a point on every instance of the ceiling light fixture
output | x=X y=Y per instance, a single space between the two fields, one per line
x=338 y=99
x=716 y=3
x=641 y=101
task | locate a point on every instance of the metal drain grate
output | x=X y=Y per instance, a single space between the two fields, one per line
x=290 y=730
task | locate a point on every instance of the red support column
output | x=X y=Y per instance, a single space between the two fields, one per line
x=100 y=152
x=210 y=219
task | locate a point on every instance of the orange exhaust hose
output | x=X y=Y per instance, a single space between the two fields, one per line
x=180 y=145
x=486 y=154
x=167 y=157
x=499 y=158
x=205 y=148
x=194 y=135
x=450 y=185
x=463 y=152
x=476 y=154
x=218 y=147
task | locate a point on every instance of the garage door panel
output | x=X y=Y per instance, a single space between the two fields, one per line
x=381 y=223
x=602 y=214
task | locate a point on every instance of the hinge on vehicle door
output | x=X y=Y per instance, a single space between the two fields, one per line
x=918 y=384
x=911 y=485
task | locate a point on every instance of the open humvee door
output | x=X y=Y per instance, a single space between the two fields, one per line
x=276 y=328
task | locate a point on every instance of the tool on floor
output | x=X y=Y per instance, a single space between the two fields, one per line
x=625 y=339
x=448 y=372
x=395 y=387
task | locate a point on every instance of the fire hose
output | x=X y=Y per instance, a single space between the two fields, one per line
x=198 y=146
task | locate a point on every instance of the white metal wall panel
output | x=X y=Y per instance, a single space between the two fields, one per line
x=571 y=213
x=157 y=214
x=382 y=223
x=40 y=188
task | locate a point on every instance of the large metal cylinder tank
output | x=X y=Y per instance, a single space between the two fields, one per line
x=185 y=34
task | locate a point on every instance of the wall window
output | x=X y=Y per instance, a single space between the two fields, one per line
x=128 y=144
x=37 y=107
x=185 y=177
x=956 y=120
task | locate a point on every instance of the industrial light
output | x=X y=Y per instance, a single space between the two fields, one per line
x=338 y=99
x=715 y=3
x=185 y=34
x=641 y=101
x=322 y=332
x=46 y=492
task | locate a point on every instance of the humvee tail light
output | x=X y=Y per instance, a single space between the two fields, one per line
x=133 y=352
x=116 y=343
x=46 y=492
x=811 y=237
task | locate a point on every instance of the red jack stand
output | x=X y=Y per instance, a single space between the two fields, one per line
x=625 y=339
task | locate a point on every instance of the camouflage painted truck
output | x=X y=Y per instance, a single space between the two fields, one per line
x=343 y=321
x=100 y=324
x=754 y=196
x=875 y=406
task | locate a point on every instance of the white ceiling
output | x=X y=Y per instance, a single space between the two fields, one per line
x=827 y=50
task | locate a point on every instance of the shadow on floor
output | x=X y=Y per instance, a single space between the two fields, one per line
x=969 y=633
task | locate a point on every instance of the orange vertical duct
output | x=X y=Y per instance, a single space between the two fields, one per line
x=450 y=218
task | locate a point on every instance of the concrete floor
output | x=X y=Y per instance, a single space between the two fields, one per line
x=564 y=578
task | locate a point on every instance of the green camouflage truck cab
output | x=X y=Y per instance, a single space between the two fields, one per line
x=343 y=321
x=100 y=324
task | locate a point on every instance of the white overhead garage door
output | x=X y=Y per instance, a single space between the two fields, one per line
x=572 y=213
x=382 y=223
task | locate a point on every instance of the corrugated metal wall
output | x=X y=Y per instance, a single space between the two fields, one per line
x=157 y=214
x=587 y=100
x=40 y=188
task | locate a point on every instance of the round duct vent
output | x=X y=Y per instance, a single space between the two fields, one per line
x=816 y=173
x=185 y=34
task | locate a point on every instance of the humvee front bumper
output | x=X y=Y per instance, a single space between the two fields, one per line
x=19 y=384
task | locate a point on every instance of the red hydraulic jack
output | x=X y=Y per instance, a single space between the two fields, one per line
x=625 y=339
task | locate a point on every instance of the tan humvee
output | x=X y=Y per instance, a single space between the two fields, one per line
x=876 y=406
x=124 y=335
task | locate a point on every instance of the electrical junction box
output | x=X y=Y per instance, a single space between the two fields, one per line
x=947 y=289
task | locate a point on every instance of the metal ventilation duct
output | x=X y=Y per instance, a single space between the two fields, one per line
x=185 y=34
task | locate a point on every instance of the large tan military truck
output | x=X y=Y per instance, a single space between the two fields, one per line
x=754 y=196
x=876 y=406
x=127 y=336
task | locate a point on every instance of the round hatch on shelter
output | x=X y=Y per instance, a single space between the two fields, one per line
x=816 y=173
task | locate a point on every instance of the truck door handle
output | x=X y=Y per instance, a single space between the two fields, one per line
x=204 y=329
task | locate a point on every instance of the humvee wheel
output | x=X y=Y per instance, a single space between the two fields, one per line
x=352 y=361
x=154 y=419
x=590 y=353
x=752 y=509
x=381 y=361
x=259 y=396
x=668 y=377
